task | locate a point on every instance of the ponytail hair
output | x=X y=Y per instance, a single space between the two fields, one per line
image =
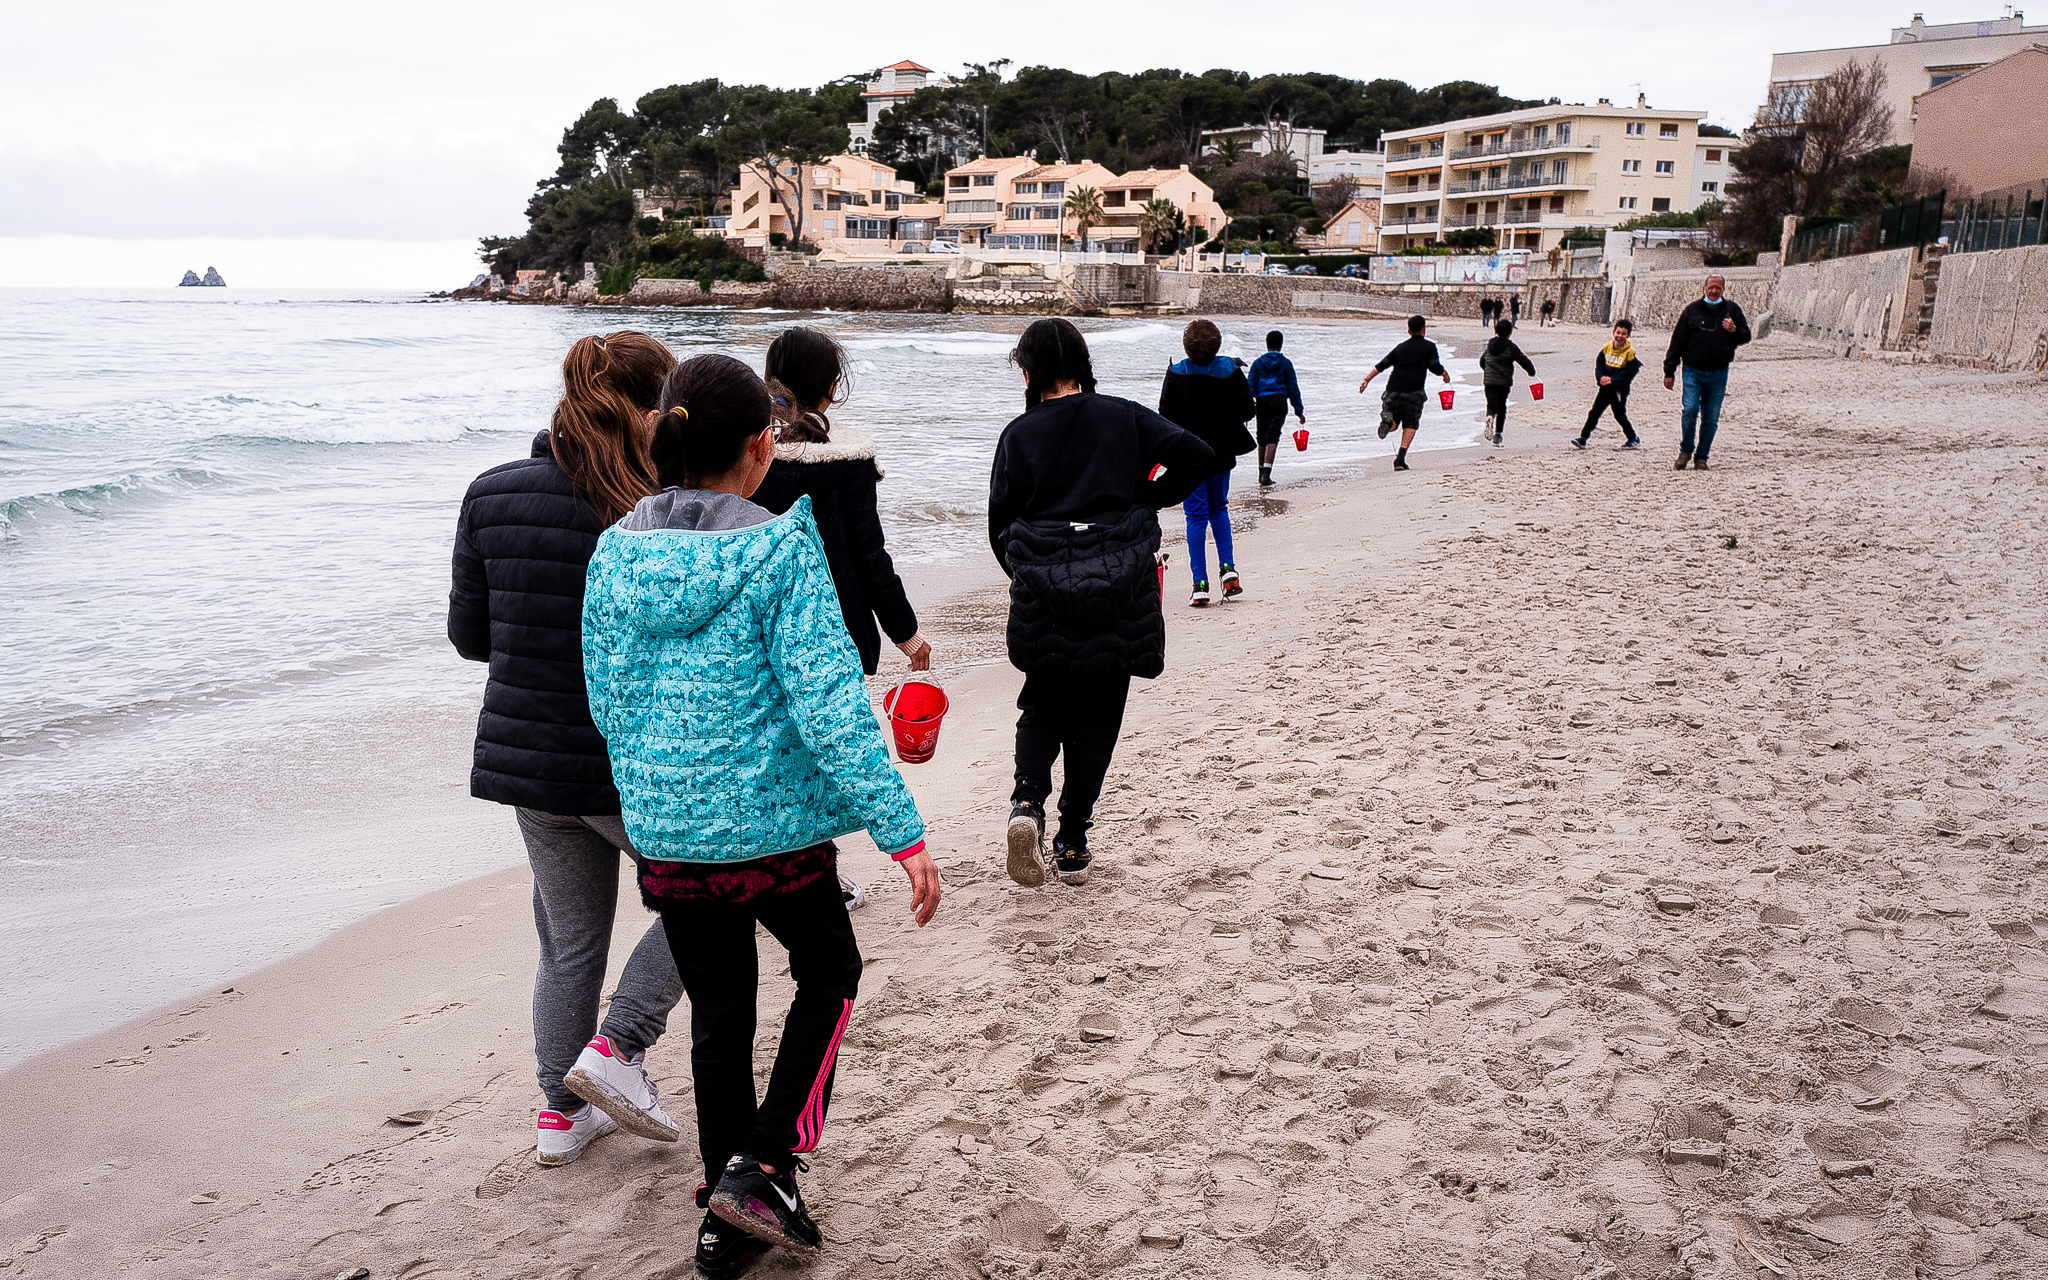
x=1052 y=351
x=710 y=407
x=812 y=369
x=794 y=424
x=609 y=385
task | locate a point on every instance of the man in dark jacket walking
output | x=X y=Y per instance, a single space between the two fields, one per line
x=1708 y=331
x=1273 y=388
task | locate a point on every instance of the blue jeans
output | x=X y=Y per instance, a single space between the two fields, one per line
x=1704 y=389
x=1208 y=507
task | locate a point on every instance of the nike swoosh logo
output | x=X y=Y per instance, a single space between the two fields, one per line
x=786 y=1199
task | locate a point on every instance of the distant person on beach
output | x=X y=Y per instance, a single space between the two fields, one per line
x=1497 y=372
x=1273 y=388
x=1402 y=402
x=1489 y=311
x=522 y=544
x=1515 y=309
x=743 y=742
x=1549 y=309
x=1615 y=367
x=1072 y=518
x=1704 y=340
x=1207 y=394
x=836 y=467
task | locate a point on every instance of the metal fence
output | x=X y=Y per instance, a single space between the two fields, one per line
x=1902 y=226
x=1998 y=220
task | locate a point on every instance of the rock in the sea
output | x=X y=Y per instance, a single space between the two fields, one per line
x=191 y=278
x=213 y=279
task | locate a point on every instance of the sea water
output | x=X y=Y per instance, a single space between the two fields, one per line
x=225 y=522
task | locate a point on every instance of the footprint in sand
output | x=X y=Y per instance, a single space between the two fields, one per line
x=1241 y=1202
x=507 y=1175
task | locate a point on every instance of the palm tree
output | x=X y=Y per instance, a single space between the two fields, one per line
x=1084 y=206
x=1159 y=219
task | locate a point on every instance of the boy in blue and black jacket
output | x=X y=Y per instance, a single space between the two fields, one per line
x=1273 y=389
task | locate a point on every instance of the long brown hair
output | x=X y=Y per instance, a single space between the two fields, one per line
x=609 y=385
x=711 y=406
x=805 y=366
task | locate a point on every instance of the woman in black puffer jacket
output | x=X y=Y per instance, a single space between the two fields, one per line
x=836 y=466
x=522 y=547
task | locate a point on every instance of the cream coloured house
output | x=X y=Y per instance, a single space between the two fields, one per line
x=1017 y=203
x=1355 y=229
x=1124 y=200
x=848 y=198
x=1535 y=173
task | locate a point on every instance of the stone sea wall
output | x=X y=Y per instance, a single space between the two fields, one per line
x=1846 y=302
x=1991 y=310
x=1654 y=299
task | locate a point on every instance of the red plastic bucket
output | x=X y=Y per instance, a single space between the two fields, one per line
x=1446 y=396
x=915 y=709
x=1535 y=391
x=1301 y=440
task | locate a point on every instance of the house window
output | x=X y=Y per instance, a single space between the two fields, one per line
x=1055 y=189
x=1541 y=133
x=1140 y=195
x=828 y=225
x=984 y=179
x=860 y=146
x=1709 y=188
x=1564 y=133
x=1631 y=166
x=1662 y=204
x=1351 y=232
x=1713 y=155
x=1667 y=167
x=1557 y=204
x=957 y=180
x=1633 y=130
x=822 y=176
x=833 y=200
x=1627 y=202
x=1558 y=168
x=1027 y=188
x=817 y=201
x=1435 y=180
x=1667 y=130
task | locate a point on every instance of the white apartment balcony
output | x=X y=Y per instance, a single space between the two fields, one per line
x=1525 y=182
x=1524 y=146
x=1409 y=225
x=1430 y=157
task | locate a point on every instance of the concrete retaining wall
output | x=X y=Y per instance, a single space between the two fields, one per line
x=1846 y=302
x=862 y=288
x=1653 y=299
x=1992 y=309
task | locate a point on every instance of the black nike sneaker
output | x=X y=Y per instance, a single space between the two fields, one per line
x=724 y=1252
x=766 y=1205
x=1070 y=862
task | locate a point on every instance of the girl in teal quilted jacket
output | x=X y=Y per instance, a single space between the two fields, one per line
x=742 y=742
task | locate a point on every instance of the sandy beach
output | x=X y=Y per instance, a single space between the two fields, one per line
x=1553 y=867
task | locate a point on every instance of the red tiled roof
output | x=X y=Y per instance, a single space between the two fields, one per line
x=905 y=65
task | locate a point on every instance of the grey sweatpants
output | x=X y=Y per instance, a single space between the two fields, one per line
x=575 y=864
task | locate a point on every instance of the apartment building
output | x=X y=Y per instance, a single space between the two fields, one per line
x=1313 y=158
x=1919 y=57
x=1984 y=130
x=1535 y=173
x=1124 y=200
x=1711 y=169
x=849 y=197
x=1018 y=203
x=891 y=86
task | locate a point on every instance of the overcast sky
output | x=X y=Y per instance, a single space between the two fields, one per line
x=428 y=123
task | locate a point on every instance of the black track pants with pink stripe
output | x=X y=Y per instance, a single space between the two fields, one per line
x=712 y=937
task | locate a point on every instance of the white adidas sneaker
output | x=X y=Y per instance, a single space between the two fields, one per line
x=851 y=893
x=563 y=1137
x=621 y=1088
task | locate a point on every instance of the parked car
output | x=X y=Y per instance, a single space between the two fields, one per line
x=1276 y=270
x=1353 y=270
x=913 y=246
x=1304 y=270
x=944 y=246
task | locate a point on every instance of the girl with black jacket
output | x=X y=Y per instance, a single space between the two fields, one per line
x=522 y=547
x=836 y=466
x=1207 y=394
x=1072 y=518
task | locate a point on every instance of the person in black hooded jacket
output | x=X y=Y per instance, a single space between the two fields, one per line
x=1072 y=518
x=836 y=466
x=1208 y=395
x=523 y=544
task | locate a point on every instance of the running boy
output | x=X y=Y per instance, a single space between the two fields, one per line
x=1401 y=403
x=1497 y=367
x=1615 y=366
x=1274 y=388
x=1207 y=395
x=741 y=739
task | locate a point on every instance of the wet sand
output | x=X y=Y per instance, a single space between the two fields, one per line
x=1553 y=867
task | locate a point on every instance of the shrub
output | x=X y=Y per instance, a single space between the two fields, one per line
x=615 y=281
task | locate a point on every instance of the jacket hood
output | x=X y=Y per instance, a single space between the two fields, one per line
x=1220 y=367
x=1269 y=360
x=846 y=445
x=543 y=445
x=690 y=552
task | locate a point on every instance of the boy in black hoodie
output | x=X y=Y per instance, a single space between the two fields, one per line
x=1497 y=370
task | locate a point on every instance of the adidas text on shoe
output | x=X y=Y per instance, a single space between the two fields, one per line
x=724 y=1252
x=561 y=1138
x=1200 y=598
x=1233 y=587
x=1026 y=841
x=621 y=1089
x=765 y=1205
x=1070 y=862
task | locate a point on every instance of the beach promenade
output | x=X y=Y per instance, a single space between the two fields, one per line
x=1553 y=867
